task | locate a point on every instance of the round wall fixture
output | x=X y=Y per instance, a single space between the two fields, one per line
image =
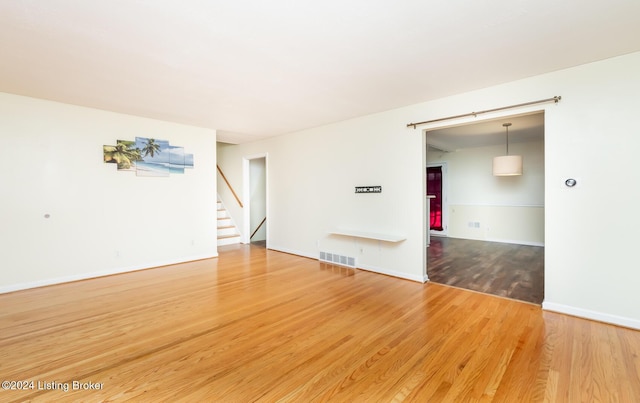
x=570 y=182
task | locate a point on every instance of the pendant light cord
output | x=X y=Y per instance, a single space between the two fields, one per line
x=506 y=125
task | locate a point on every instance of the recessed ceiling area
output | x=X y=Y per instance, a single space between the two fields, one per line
x=252 y=69
x=523 y=129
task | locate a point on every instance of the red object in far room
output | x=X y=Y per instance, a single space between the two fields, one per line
x=434 y=188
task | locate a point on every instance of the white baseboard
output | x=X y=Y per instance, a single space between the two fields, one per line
x=420 y=279
x=102 y=273
x=509 y=241
x=291 y=252
x=515 y=242
x=392 y=273
x=592 y=315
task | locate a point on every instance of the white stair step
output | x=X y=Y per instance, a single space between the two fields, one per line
x=224 y=231
x=228 y=240
x=227 y=233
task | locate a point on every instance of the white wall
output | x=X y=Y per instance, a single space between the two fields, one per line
x=590 y=230
x=101 y=221
x=312 y=177
x=523 y=225
x=506 y=209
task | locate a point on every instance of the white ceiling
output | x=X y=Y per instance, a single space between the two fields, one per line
x=254 y=68
x=524 y=128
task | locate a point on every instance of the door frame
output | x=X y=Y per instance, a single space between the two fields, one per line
x=246 y=194
x=442 y=124
x=445 y=198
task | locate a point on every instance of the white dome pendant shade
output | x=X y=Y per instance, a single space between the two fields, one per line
x=507 y=165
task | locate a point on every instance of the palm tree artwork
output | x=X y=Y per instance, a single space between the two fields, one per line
x=148 y=157
x=151 y=148
x=124 y=154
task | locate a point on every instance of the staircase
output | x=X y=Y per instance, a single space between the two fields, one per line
x=227 y=232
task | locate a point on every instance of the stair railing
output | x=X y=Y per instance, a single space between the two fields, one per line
x=260 y=225
x=229 y=185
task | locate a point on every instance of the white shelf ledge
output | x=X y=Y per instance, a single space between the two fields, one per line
x=368 y=235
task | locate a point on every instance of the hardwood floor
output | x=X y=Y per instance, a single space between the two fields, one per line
x=506 y=270
x=259 y=325
x=262 y=244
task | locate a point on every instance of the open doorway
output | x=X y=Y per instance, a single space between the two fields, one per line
x=255 y=195
x=437 y=192
x=494 y=239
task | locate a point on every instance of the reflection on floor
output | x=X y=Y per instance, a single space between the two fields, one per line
x=507 y=270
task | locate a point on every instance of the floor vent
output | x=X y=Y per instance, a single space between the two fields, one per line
x=334 y=258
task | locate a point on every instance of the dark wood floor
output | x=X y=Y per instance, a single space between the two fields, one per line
x=261 y=244
x=506 y=270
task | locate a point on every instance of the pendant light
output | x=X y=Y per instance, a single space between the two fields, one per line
x=507 y=165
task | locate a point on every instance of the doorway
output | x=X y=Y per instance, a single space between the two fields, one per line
x=494 y=225
x=255 y=196
x=438 y=208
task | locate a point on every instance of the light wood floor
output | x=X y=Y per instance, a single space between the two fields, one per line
x=258 y=325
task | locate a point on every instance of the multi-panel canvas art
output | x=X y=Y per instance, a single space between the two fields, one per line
x=148 y=157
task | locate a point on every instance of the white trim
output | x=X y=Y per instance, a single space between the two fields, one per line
x=246 y=194
x=515 y=242
x=246 y=200
x=592 y=315
x=292 y=252
x=495 y=205
x=103 y=273
x=367 y=235
x=392 y=273
x=424 y=223
x=419 y=279
x=509 y=241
